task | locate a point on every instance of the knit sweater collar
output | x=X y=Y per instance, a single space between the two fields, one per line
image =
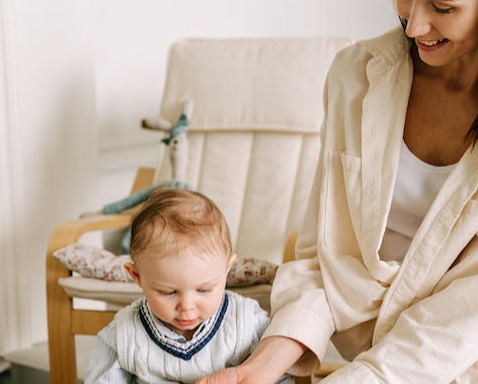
x=174 y=343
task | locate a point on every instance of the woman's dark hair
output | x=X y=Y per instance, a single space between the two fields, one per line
x=472 y=134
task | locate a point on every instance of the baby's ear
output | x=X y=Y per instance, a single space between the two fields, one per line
x=133 y=272
x=230 y=262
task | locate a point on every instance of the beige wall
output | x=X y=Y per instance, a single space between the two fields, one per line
x=358 y=19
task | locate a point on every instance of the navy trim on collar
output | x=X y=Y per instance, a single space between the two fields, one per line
x=184 y=351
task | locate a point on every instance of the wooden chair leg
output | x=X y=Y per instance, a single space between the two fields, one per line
x=62 y=355
x=61 y=341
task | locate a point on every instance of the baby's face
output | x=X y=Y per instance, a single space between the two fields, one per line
x=184 y=290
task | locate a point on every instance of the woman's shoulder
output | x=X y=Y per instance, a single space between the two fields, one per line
x=392 y=40
x=387 y=48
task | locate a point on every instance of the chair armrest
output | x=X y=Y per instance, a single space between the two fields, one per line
x=70 y=231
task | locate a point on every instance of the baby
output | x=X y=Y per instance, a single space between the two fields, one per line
x=187 y=326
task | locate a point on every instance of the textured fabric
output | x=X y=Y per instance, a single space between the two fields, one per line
x=125 y=348
x=414 y=323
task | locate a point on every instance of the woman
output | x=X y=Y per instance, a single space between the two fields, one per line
x=393 y=215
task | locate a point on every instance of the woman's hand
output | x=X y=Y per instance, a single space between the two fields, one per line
x=272 y=357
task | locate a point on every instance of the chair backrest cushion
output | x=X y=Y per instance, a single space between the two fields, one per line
x=254 y=134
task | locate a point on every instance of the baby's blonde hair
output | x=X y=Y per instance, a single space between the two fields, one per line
x=174 y=219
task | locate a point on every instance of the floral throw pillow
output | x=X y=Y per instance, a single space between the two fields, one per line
x=95 y=262
x=90 y=261
x=249 y=271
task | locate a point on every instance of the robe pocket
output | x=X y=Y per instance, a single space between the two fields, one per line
x=339 y=231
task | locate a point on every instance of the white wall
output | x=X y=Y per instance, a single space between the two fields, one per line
x=358 y=19
x=76 y=77
x=49 y=148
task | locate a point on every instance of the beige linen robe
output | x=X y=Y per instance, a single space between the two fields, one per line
x=411 y=323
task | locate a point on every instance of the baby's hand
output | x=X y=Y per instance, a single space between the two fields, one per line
x=225 y=376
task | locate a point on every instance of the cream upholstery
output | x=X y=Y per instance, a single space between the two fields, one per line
x=254 y=131
x=253 y=148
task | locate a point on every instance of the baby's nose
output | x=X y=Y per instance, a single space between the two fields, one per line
x=186 y=304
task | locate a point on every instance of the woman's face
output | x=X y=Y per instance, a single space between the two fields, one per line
x=444 y=31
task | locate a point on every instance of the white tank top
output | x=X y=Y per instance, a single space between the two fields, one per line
x=416 y=187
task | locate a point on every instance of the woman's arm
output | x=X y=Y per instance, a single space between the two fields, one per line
x=273 y=356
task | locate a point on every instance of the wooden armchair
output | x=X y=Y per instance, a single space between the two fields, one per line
x=253 y=147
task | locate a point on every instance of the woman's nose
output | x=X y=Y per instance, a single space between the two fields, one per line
x=418 y=21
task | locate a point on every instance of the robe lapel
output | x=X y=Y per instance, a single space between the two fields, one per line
x=384 y=110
